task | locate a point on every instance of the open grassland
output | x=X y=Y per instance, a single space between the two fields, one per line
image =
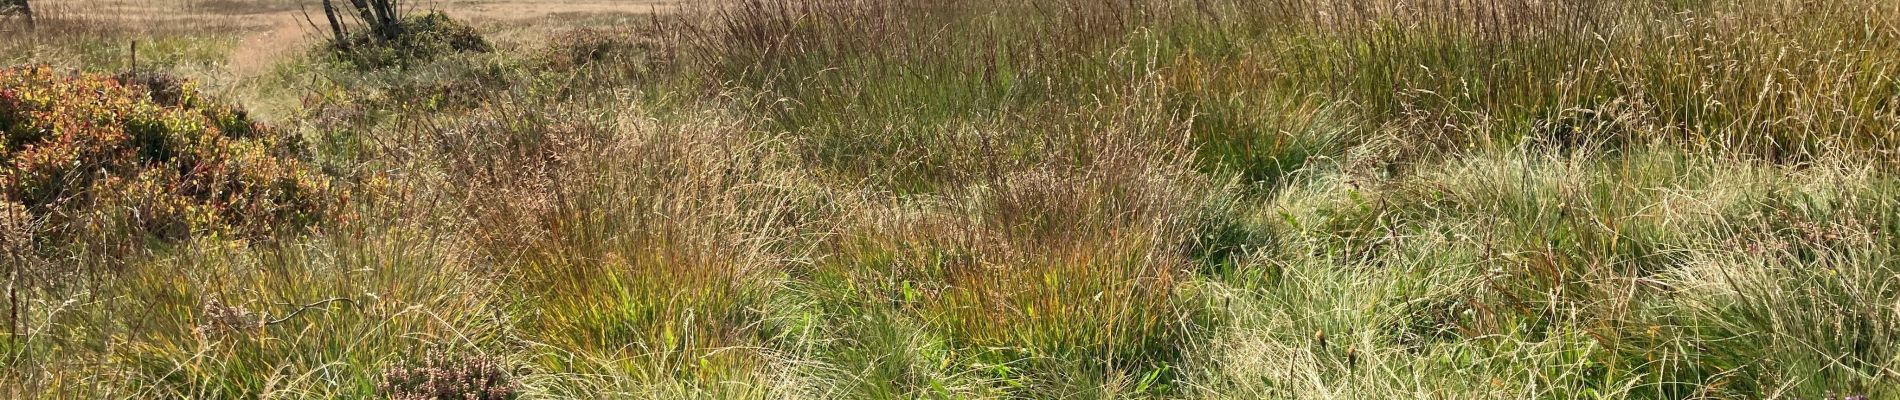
x=894 y=199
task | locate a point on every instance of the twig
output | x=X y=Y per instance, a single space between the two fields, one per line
x=300 y=310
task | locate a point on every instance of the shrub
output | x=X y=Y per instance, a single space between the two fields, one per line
x=145 y=153
x=413 y=39
x=622 y=50
x=441 y=375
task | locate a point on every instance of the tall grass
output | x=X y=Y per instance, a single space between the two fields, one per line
x=1055 y=199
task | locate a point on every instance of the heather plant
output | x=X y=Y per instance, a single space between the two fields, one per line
x=440 y=375
x=146 y=155
x=407 y=41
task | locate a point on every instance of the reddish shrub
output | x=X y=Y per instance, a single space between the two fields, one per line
x=145 y=153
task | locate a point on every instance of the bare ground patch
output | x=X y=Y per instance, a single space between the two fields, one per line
x=275 y=29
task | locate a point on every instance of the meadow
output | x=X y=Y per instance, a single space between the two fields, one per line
x=954 y=199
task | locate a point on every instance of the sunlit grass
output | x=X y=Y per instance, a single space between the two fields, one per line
x=897 y=199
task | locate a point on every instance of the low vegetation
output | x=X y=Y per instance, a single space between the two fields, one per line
x=980 y=199
x=141 y=154
x=408 y=40
x=20 y=8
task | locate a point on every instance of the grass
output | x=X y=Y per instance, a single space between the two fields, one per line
x=1041 y=199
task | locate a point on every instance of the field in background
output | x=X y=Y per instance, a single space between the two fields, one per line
x=1654 y=199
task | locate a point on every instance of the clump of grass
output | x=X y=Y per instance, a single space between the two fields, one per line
x=622 y=51
x=1061 y=276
